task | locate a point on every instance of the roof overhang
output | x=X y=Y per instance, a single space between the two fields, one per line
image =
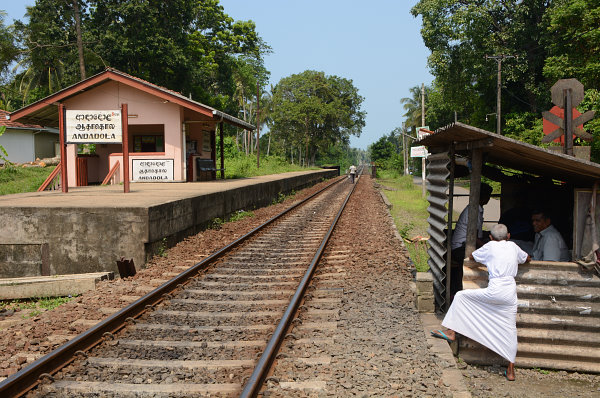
x=507 y=152
x=45 y=111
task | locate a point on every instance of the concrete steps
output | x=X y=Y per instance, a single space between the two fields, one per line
x=558 y=318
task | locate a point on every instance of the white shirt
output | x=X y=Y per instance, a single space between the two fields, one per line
x=549 y=245
x=459 y=236
x=502 y=258
x=352 y=169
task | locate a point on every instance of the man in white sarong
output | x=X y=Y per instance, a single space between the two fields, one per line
x=489 y=316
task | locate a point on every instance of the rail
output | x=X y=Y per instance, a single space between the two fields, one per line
x=256 y=380
x=26 y=379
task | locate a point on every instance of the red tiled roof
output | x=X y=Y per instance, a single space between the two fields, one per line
x=10 y=123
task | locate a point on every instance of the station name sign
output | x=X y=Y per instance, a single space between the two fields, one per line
x=93 y=127
x=152 y=170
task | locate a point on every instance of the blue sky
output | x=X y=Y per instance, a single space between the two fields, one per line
x=376 y=44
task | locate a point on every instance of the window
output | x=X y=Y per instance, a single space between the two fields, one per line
x=148 y=143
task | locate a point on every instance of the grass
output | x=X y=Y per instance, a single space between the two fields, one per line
x=35 y=306
x=22 y=179
x=28 y=179
x=245 y=166
x=409 y=211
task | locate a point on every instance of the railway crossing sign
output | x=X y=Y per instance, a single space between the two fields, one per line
x=566 y=95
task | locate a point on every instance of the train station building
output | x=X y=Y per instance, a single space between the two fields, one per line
x=169 y=137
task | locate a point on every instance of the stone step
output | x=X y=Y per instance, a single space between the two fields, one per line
x=559 y=351
x=558 y=322
x=557 y=363
x=568 y=293
x=50 y=286
x=571 y=308
x=558 y=337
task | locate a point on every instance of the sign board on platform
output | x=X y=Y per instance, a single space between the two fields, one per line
x=93 y=127
x=418 y=152
x=152 y=170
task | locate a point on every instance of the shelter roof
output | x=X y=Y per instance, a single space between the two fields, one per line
x=45 y=111
x=508 y=152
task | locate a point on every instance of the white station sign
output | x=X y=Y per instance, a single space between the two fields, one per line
x=418 y=152
x=151 y=170
x=93 y=127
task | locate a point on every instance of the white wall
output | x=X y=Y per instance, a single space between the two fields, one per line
x=19 y=145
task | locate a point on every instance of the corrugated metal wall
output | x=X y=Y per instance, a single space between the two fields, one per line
x=437 y=186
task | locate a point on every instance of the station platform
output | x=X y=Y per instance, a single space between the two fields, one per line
x=89 y=228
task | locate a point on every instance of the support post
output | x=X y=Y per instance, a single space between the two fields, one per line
x=63 y=149
x=423 y=188
x=257 y=125
x=568 y=122
x=449 y=226
x=125 y=122
x=222 y=147
x=476 y=165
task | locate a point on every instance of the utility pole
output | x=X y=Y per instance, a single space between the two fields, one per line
x=423 y=190
x=498 y=59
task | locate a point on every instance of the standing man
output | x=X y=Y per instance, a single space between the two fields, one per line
x=352 y=173
x=489 y=315
x=549 y=244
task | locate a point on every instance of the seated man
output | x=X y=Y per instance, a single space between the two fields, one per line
x=489 y=315
x=549 y=244
x=459 y=238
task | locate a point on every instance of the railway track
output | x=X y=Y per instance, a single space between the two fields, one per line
x=215 y=329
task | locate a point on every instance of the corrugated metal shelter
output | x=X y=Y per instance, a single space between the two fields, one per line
x=558 y=316
x=459 y=140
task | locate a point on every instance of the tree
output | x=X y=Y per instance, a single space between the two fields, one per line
x=8 y=49
x=189 y=46
x=573 y=41
x=460 y=33
x=412 y=106
x=312 y=111
x=48 y=51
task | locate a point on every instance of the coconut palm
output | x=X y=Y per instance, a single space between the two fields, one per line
x=412 y=106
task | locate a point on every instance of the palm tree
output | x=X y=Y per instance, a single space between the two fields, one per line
x=412 y=106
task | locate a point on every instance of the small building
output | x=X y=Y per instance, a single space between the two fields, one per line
x=558 y=318
x=163 y=126
x=27 y=142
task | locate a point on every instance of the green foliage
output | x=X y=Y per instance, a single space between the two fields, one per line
x=8 y=49
x=313 y=111
x=573 y=41
x=412 y=106
x=239 y=215
x=460 y=34
x=20 y=179
x=409 y=211
x=3 y=153
x=215 y=223
x=162 y=248
x=524 y=126
x=590 y=102
x=34 y=306
x=189 y=46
